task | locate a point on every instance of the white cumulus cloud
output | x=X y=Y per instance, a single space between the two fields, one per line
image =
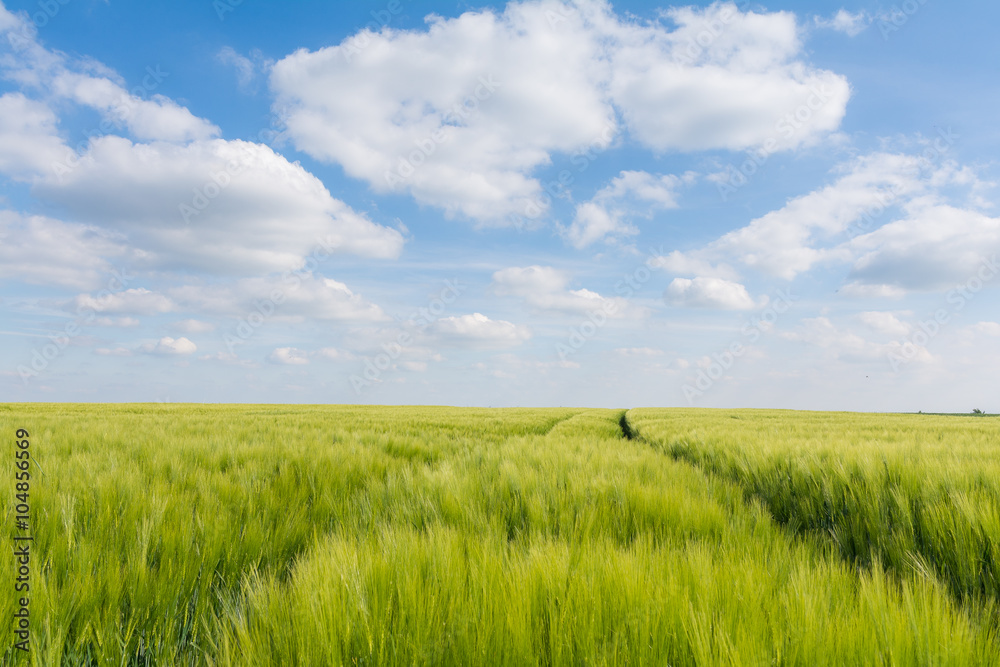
x=546 y=289
x=29 y=140
x=461 y=114
x=678 y=262
x=933 y=248
x=884 y=323
x=293 y=298
x=886 y=214
x=168 y=346
x=704 y=292
x=155 y=119
x=223 y=207
x=137 y=301
x=849 y=23
x=477 y=330
x=610 y=211
x=987 y=328
x=42 y=251
x=289 y=356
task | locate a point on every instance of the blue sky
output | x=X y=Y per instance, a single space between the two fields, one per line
x=537 y=203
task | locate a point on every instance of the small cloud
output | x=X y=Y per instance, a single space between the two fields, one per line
x=987 y=328
x=864 y=291
x=477 y=329
x=885 y=323
x=631 y=194
x=849 y=23
x=546 y=289
x=132 y=301
x=293 y=356
x=708 y=293
x=289 y=356
x=168 y=346
x=246 y=68
x=683 y=264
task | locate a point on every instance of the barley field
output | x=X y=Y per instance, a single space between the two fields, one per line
x=357 y=535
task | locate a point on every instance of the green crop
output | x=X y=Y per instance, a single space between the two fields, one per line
x=328 y=535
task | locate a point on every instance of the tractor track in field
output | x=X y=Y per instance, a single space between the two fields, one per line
x=791 y=526
x=628 y=432
x=556 y=423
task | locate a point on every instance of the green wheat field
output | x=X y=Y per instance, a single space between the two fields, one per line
x=328 y=535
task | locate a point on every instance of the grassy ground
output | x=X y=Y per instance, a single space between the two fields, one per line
x=308 y=535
